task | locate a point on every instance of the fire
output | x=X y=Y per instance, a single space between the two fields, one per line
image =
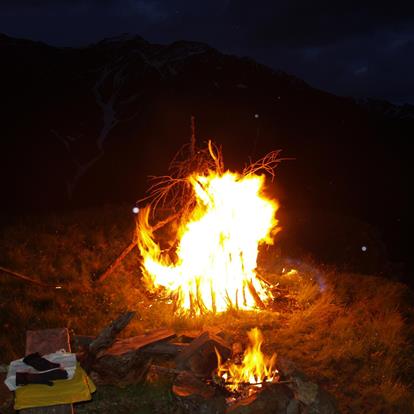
x=255 y=368
x=214 y=262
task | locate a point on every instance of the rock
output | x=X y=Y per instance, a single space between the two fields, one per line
x=293 y=407
x=274 y=399
x=187 y=384
x=196 y=404
x=314 y=398
x=195 y=397
x=305 y=391
x=288 y=368
x=324 y=403
x=120 y=370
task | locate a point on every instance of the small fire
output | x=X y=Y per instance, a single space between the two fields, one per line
x=214 y=261
x=255 y=368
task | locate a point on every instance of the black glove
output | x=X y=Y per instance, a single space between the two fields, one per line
x=39 y=363
x=46 y=378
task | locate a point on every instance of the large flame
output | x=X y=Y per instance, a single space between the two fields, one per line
x=217 y=246
x=255 y=368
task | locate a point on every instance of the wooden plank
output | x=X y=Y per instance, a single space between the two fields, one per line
x=200 y=355
x=107 y=336
x=164 y=348
x=47 y=341
x=122 y=346
x=159 y=346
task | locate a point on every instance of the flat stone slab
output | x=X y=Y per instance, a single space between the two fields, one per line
x=47 y=341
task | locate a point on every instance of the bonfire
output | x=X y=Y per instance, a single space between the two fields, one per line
x=254 y=369
x=203 y=252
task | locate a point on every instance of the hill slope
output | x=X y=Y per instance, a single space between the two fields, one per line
x=87 y=126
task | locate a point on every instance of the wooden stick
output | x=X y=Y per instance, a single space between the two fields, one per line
x=266 y=282
x=27 y=278
x=117 y=262
x=164 y=222
x=256 y=383
x=129 y=249
x=256 y=297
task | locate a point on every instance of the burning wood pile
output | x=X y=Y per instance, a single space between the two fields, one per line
x=205 y=372
x=250 y=370
x=219 y=218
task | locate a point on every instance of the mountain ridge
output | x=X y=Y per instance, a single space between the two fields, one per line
x=86 y=126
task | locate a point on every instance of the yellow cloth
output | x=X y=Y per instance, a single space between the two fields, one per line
x=79 y=388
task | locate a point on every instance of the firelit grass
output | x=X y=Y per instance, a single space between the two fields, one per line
x=350 y=333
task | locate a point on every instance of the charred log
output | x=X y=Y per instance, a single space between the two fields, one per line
x=200 y=355
x=127 y=361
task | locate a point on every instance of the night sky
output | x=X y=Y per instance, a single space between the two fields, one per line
x=362 y=49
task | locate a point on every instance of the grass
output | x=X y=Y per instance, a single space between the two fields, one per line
x=350 y=333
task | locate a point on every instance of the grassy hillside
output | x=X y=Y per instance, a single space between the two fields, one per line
x=350 y=333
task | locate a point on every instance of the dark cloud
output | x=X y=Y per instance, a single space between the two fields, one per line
x=77 y=22
x=374 y=65
x=347 y=47
x=149 y=11
x=311 y=23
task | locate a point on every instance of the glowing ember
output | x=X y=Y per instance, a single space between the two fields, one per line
x=255 y=368
x=217 y=246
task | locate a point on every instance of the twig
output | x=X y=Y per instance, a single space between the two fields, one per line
x=164 y=222
x=266 y=164
x=27 y=278
x=255 y=295
x=255 y=383
x=266 y=282
x=117 y=261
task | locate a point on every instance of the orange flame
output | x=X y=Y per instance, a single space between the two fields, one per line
x=217 y=248
x=255 y=368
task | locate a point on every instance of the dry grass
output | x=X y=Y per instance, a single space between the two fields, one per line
x=350 y=333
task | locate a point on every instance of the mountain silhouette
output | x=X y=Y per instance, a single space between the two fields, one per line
x=86 y=126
